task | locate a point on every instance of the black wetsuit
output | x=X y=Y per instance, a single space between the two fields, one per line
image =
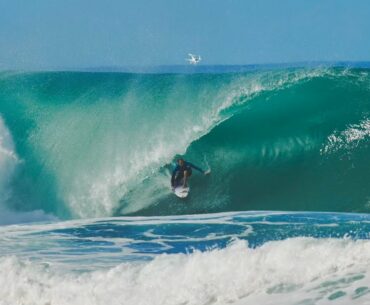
x=178 y=172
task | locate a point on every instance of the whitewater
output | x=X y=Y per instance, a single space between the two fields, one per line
x=88 y=217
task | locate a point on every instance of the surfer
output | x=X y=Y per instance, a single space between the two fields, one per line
x=183 y=171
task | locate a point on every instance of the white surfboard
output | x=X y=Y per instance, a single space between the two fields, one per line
x=181 y=192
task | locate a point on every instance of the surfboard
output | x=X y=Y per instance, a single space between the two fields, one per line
x=181 y=192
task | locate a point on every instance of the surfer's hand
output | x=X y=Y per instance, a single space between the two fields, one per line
x=207 y=172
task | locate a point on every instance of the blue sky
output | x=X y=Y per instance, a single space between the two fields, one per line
x=41 y=34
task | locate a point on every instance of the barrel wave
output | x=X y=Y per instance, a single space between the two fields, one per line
x=101 y=144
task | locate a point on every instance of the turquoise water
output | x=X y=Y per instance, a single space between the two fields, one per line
x=101 y=144
x=88 y=217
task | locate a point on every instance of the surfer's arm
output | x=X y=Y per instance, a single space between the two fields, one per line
x=196 y=167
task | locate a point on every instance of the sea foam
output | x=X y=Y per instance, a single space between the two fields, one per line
x=293 y=271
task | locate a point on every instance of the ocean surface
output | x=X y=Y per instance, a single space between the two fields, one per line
x=88 y=217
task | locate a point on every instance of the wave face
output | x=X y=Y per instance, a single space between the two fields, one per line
x=231 y=258
x=101 y=144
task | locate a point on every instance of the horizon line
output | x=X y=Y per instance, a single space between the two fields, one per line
x=192 y=68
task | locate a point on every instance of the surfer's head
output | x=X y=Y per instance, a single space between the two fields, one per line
x=180 y=161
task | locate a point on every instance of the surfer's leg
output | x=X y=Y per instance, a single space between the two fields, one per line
x=185 y=178
x=186 y=175
x=178 y=179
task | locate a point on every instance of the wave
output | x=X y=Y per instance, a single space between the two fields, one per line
x=101 y=144
x=237 y=258
x=246 y=276
x=302 y=147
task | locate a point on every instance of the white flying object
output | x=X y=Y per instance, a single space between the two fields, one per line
x=193 y=59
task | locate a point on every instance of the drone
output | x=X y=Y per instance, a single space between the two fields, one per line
x=193 y=59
